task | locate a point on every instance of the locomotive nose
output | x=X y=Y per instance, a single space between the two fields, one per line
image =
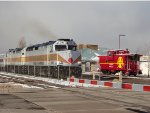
x=96 y=59
x=70 y=60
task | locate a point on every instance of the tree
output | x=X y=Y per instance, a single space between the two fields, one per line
x=21 y=43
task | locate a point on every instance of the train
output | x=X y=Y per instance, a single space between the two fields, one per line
x=119 y=60
x=58 y=58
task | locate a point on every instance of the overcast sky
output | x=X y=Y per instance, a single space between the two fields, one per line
x=86 y=22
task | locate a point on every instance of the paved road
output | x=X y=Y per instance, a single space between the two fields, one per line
x=74 y=100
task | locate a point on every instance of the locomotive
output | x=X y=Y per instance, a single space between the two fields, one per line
x=53 y=58
x=120 y=60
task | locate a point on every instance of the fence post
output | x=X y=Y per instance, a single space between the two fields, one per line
x=120 y=76
x=99 y=76
x=93 y=75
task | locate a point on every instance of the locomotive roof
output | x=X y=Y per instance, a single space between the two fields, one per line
x=17 y=49
x=43 y=44
x=128 y=54
x=65 y=39
x=118 y=50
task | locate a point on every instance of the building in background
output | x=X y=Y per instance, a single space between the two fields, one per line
x=145 y=65
x=90 y=46
x=88 y=51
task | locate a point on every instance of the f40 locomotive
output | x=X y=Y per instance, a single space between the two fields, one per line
x=52 y=58
x=120 y=60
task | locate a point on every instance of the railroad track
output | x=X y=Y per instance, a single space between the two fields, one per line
x=32 y=82
x=89 y=93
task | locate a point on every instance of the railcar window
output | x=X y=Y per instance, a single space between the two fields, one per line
x=60 y=47
x=135 y=58
x=36 y=48
x=73 y=48
x=29 y=49
x=109 y=54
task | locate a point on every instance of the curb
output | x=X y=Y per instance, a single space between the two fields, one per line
x=118 y=85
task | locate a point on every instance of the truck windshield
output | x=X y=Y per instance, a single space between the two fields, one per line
x=60 y=47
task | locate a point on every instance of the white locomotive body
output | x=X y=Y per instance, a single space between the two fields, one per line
x=49 y=56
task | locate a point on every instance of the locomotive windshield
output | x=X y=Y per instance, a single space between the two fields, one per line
x=73 y=48
x=60 y=47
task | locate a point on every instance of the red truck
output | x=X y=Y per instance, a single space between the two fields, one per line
x=120 y=60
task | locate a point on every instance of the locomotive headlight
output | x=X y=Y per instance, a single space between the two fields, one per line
x=79 y=62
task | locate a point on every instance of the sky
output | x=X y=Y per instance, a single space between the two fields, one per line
x=86 y=22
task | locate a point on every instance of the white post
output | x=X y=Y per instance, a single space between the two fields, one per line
x=93 y=75
x=120 y=76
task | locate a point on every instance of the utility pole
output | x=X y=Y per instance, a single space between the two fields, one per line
x=119 y=39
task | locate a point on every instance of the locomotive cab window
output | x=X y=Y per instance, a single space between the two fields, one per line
x=60 y=47
x=109 y=53
x=73 y=48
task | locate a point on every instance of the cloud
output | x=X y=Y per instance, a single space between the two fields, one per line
x=86 y=22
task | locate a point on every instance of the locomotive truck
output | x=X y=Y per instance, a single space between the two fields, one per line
x=120 y=60
x=53 y=58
